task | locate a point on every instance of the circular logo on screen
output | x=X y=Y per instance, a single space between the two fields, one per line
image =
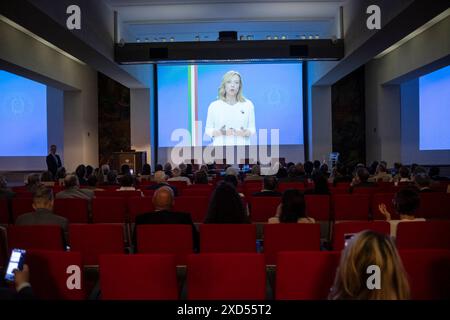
x=16 y=105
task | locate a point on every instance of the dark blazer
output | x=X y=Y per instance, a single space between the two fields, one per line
x=10 y=294
x=167 y=217
x=53 y=164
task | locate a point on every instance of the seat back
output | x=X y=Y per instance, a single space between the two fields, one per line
x=290 y=237
x=43 y=237
x=138 y=277
x=4 y=211
x=385 y=198
x=165 y=238
x=92 y=240
x=428 y=273
x=318 y=207
x=21 y=206
x=423 y=234
x=109 y=210
x=116 y=193
x=197 y=206
x=139 y=205
x=56 y=274
x=351 y=207
x=340 y=229
x=75 y=210
x=226 y=276
x=263 y=208
x=305 y=275
x=192 y=191
x=227 y=238
x=283 y=186
x=434 y=205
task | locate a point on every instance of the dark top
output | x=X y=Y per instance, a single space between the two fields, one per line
x=25 y=293
x=167 y=217
x=53 y=164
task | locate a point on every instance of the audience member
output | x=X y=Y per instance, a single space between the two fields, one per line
x=111 y=178
x=161 y=181
x=80 y=172
x=89 y=171
x=72 y=189
x=292 y=208
x=168 y=169
x=5 y=192
x=320 y=186
x=365 y=249
x=33 y=182
x=270 y=184
x=361 y=180
x=47 y=179
x=381 y=174
x=200 y=177
x=423 y=182
x=43 y=214
x=60 y=175
x=406 y=202
x=22 y=286
x=255 y=174
x=226 y=206
x=125 y=170
x=176 y=176
x=127 y=183
x=163 y=201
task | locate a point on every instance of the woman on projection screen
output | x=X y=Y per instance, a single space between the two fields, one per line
x=231 y=118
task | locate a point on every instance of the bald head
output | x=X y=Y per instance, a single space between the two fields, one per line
x=163 y=199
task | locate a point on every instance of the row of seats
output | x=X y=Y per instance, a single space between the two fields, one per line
x=93 y=240
x=230 y=276
x=320 y=207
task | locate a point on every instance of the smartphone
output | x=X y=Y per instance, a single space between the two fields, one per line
x=348 y=237
x=16 y=261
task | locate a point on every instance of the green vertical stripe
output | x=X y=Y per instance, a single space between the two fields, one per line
x=189 y=101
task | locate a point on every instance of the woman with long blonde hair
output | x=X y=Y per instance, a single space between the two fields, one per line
x=231 y=118
x=366 y=249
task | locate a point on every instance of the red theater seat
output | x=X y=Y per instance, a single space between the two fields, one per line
x=423 y=234
x=4 y=211
x=226 y=276
x=318 y=207
x=305 y=275
x=290 y=237
x=263 y=208
x=291 y=185
x=197 y=206
x=385 y=198
x=227 y=238
x=138 y=277
x=21 y=206
x=75 y=210
x=342 y=228
x=92 y=240
x=197 y=192
x=109 y=210
x=165 y=238
x=428 y=273
x=56 y=275
x=122 y=194
x=139 y=205
x=41 y=237
x=351 y=206
x=434 y=205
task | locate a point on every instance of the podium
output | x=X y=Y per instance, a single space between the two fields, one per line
x=133 y=159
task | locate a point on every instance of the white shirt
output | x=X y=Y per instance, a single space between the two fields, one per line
x=238 y=116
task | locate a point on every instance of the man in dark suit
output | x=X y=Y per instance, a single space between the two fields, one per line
x=269 y=187
x=163 y=214
x=53 y=161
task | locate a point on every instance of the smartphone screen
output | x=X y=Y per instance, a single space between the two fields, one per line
x=15 y=262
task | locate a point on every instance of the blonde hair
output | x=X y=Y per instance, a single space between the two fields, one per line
x=226 y=77
x=365 y=249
